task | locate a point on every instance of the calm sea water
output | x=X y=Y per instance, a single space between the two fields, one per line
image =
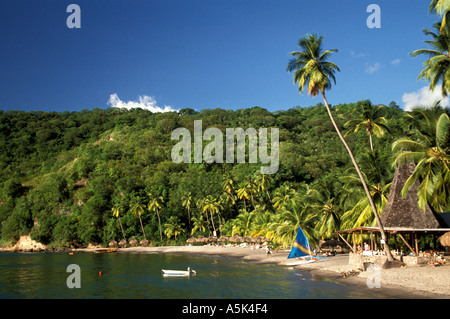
x=128 y=275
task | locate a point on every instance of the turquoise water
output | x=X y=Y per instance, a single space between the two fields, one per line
x=138 y=276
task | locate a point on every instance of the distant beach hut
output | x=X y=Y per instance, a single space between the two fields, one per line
x=445 y=239
x=144 y=242
x=261 y=239
x=236 y=239
x=248 y=239
x=212 y=239
x=201 y=239
x=191 y=240
x=123 y=243
x=112 y=243
x=133 y=242
x=223 y=239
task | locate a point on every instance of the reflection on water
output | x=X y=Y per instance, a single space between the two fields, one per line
x=127 y=275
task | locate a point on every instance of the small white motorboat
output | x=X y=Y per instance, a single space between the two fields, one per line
x=178 y=273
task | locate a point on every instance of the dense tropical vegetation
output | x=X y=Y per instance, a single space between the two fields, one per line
x=101 y=175
x=74 y=178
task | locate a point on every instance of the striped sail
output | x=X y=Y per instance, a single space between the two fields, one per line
x=300 y=247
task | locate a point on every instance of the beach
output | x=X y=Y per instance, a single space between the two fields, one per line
x=424 y=281
x=418 y=281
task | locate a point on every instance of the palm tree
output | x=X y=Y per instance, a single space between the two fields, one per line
x=288 y=220
x=213 y=206
x=186 y=202
x=137 y=210
x=312 y=68
x=228 y=187
x=201 y=203
x=263 y=181
x=173 y=227
x=321 y=203
x=283 y=196
x=361 y=213
x=154 y=205
x=370 y=120
x=116 y=213
x=431 y=154
x=437 y=66
x=243 y=193
x=242 y=223
x=198 y=224
x=442 y=8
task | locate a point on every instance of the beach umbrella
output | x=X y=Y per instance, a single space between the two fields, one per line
x=191 y=240
x=113 y=244
x=248 y=239
x=445 y=239
x=223 y=239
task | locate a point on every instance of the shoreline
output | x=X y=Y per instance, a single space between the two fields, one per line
x=411 y=282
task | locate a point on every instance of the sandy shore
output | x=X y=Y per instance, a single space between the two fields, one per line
x=425 y=281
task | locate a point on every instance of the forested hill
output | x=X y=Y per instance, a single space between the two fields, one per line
x=64 y=173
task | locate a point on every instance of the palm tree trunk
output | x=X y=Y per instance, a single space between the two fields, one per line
x=370 y=139
x=212 y=221
x=159 y=221
x=123 y=233
x=142 y=227
x=366 y=189
x=189 y=217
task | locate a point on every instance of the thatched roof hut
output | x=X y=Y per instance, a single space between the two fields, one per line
x=445 y=239
x=402 y=215
x=191 y=240
x=212 y=239
x=133 y=242
x=144 y=242
x=123 y=243
x=404 y=212
x=112 y=243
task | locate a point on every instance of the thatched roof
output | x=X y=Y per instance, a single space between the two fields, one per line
x=404 y=212
x=445 y=239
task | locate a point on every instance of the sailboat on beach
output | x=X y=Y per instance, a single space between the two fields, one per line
x=301 y=249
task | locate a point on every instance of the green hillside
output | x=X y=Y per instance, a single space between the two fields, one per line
x=63 y=174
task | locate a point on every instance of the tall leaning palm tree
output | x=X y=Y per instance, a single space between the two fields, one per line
x=437 y=67
x=312 y=69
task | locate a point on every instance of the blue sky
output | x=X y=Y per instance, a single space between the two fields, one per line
x=202 y=53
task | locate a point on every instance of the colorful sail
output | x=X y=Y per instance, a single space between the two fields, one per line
x=300 y=247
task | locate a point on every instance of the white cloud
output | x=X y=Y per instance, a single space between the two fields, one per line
x=145 y=102
x=373 y=68
x=423 y=97
x=395 y=62
x=358 y=54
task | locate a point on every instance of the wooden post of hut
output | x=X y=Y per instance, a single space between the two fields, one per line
x=354 y=242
